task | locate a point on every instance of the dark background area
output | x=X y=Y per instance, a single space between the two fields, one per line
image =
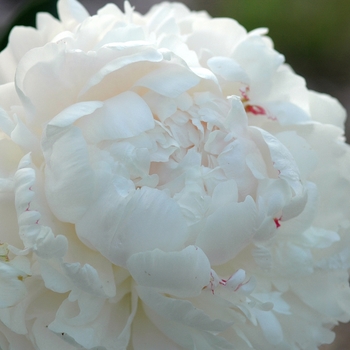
x=313 y=35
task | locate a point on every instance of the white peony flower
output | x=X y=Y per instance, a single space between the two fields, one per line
x=167 y=182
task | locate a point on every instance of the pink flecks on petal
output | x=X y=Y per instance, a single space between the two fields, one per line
x=28 y=206
x=214 y=281
x=278 y=171
x=244 y=92
x=277 y=222
x=258 y=110
x=28 y=209
x=234 y=282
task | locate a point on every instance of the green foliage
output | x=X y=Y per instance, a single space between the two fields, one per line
x=314 y=35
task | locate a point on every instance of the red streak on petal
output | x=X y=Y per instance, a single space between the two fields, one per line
x=241 y=284
x=277 y=222
x=256 y=110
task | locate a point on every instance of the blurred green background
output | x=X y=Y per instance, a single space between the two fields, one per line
x=313 y=35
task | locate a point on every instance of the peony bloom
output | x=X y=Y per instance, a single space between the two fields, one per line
x=167 y=182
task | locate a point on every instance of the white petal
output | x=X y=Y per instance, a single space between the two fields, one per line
x=95 y=332
x=111 y=9
x=170 y=80
x=15 y=317
x=125 y=115
x=185 y=324
x=145 y=336
x=54 y=277
x=126 y=35
x=212 y=34
x=48 y=246
x=273 y=195
x=228 y=230
x=25 y=138
x=232 y=160
x=330 y=285
x=121 y=226
x=10 y=340
x=224 y=193
x=85 y=278
x=30 y=72
x=67 y=325
x=263 y=257
x=69 y=10
x=287 y=86
x=283 y=161
x=237 y=120
x=163 y=107
x=21 y=40
x=183 y=274
x=305 y=156
x=287 y=113
x=12 y=288
x=8 y=219
x=46 y=339
x=326 y=109
x=270 y=325
x=228 y=69
x=6 y=124
x=294 y=260
x=295 y=206
x=143 y=54
x=69 y=177
x=236 y=279
x=260 y=62
x=71 y=114
x=319 y=238
x=300 y=222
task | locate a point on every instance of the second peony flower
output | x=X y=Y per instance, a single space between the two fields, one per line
x=166 y=182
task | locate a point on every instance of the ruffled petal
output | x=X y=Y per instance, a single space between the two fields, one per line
x=69 y=178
